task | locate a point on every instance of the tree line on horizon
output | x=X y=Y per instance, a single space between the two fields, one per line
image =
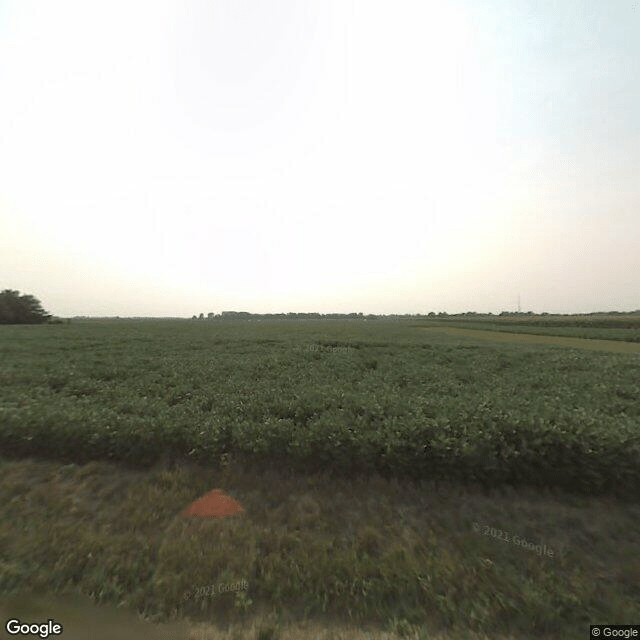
x=26 y=309
x=240 y=315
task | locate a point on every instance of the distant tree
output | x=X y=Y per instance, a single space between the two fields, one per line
x=210 y=315
x=17 y=309
x=201 y=316
x=194 y=317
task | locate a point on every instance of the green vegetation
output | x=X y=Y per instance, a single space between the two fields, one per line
x=624 y=327
x=393 y=401
x=25 y=309
x=365 y=454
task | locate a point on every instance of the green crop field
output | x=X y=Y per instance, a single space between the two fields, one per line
x=379 y=397
x=619 y=327
x=351 y=402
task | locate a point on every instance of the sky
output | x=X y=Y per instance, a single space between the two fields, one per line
x=171 y=158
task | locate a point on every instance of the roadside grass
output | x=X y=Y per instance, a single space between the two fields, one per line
x=320 y=554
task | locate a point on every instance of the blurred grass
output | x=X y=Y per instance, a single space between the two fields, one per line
x=366 y=552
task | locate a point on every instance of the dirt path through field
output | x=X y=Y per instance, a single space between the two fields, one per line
x=527 y=338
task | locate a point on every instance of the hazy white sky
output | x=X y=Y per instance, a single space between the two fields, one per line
x=171 y=158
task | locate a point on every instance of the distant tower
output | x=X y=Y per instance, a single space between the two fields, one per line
x=518 y=303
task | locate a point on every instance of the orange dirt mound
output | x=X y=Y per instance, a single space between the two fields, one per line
x=214 y=504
